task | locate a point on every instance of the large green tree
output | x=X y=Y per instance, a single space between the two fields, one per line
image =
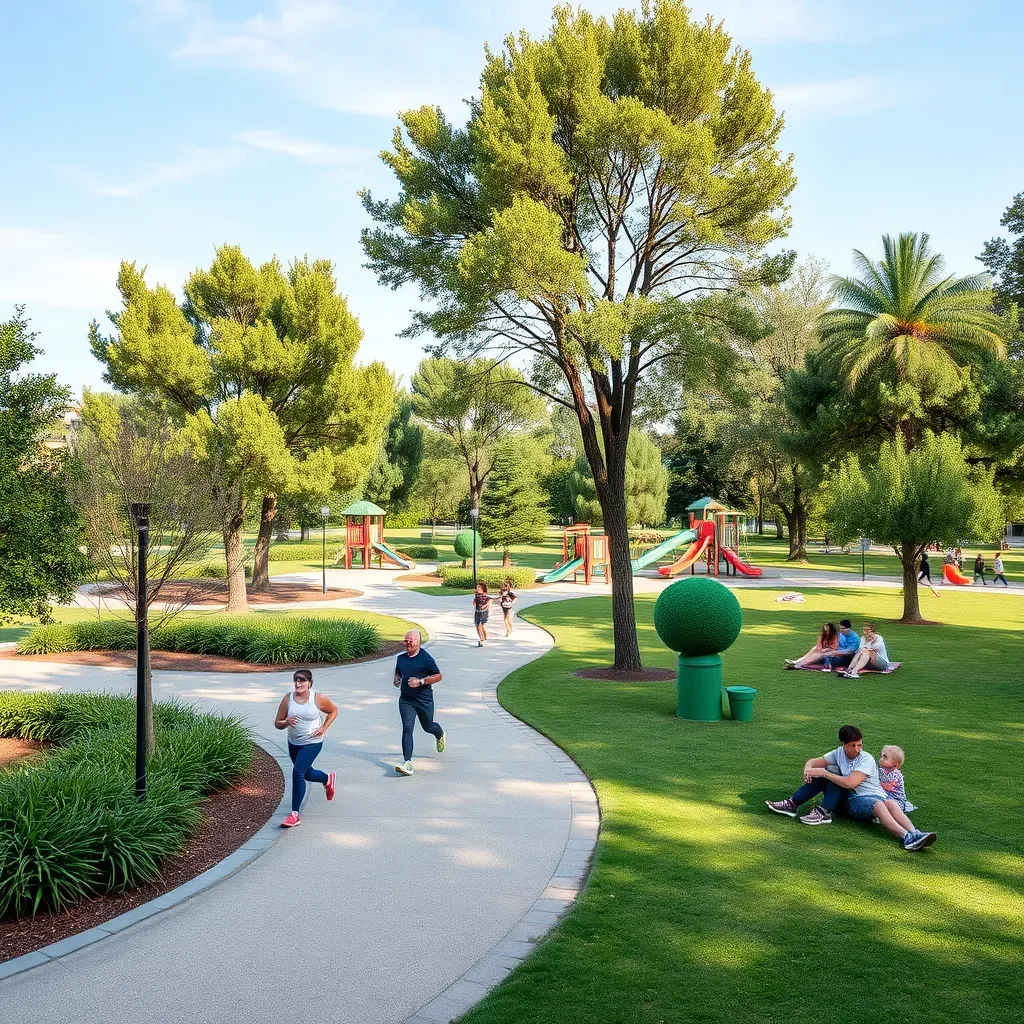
x=476 y=406
x=611 y=175
x=392 y=477
x=1004 y=259
x=258 y=363
x=911 y=497
x=513 y=510
x=40 y=529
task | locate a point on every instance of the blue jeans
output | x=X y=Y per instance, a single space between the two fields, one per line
x=833 y=800
x=303 y=771
x=410 y=710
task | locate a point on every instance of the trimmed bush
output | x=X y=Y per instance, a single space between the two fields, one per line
x=261 y=639
x=456 y=576
x=464 y=543
x=70 y=826
x=303 y=551
x=426 y=552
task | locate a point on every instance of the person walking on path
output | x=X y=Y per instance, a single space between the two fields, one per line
x=505 y=601
x=925 y=575
x=979 y=569
x=299 y=712
x=997 y=568
x=481 y=612
x=416 y=672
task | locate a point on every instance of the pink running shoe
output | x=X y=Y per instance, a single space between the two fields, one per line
x=291 y=821
x=329 y=785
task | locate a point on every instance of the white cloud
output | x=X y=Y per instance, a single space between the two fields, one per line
x=855 y=95
x=191 y=163
x=306 y=151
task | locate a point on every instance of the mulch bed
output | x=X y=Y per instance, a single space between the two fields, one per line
x=211 y=593
x=231 y=817
x=648 y=675
x=419 y=577
x=15 y=750
x=183 y=661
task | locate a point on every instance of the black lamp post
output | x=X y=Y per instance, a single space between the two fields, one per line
x=474 y=515
x=324 y=514
x=140 y=513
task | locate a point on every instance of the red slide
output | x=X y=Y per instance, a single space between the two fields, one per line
x=953 y=575
x=687 y=558
x=739 y=565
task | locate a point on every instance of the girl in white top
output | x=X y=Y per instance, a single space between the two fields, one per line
x=871 y=653
x=300 y=713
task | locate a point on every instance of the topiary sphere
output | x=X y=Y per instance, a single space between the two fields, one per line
x=697 y=616
x=464 y=543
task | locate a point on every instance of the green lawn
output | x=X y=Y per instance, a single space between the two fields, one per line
x=704 y=907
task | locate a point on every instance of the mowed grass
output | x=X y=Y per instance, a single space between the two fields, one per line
x=704 y=907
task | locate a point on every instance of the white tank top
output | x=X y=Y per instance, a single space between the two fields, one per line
x=308 y=715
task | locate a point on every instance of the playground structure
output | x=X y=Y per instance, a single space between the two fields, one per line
x=364 y=538
x=582 y=552
x=716 y=533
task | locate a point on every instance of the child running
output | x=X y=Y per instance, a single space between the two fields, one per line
x=505 y=601
x=299 y=713
x=890 y=763
x=481 y=612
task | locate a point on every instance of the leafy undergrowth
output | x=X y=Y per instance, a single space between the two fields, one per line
x=704 y=907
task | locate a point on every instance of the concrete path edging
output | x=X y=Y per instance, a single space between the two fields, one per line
x=253 y=847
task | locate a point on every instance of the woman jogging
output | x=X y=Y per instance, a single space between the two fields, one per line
x=505 y=601
x=299 y=713
x=481 y=612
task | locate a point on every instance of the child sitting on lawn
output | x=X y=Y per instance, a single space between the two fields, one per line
x=890 y=761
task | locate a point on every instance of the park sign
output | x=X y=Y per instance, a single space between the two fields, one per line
x=865 y=543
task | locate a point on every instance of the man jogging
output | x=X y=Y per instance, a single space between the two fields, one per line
x=416 y=672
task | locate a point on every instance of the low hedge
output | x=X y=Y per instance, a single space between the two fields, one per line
x=70 y=826
x=426 y=552
x=456 y=576
x=262 y=639
x=303 y=551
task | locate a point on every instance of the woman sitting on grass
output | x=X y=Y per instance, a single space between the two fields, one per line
x=871 y=654
x=822 y=652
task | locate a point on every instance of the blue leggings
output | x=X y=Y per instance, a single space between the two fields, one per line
x=302 y=758
x=409 y=712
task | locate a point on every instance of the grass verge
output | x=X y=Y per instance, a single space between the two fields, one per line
x=704 y=907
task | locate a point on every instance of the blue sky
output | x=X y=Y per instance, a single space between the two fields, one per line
x=153 y=130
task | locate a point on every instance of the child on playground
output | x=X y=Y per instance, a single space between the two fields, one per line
x=890 y=775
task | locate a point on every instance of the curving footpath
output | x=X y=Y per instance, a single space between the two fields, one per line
x=404 y=900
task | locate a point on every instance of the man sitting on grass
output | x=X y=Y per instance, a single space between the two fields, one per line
x=870 y=654
x=848 y=778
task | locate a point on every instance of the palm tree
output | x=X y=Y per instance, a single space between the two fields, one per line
x=902 y=315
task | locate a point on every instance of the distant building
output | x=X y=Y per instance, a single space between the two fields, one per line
x=59 y=436
x=1013 y=535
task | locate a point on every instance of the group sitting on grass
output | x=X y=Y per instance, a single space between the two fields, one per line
x=841 y=649
x=852 y=785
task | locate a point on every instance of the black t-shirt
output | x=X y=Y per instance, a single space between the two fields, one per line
x=416 y=666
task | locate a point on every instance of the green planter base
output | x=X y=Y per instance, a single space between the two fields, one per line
x=699 y=688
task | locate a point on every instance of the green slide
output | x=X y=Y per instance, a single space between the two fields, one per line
x=561 y=571
x=686 y=537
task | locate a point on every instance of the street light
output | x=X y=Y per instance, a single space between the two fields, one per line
x=325 y=512
x=474 y=514
x=140 y=513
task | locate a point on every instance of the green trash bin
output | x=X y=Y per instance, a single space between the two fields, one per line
x=741 y=703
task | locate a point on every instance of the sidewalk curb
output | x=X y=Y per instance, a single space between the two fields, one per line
x=564 y=886
x=253 y=847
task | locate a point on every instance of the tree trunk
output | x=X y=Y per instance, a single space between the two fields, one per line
x=780 y=531
x=801 y=513
x=303 y=533
x=506 y=559
x=613 y=504
x=238 y=601
x=911 y=596
x=261 y=557
x=760 y=513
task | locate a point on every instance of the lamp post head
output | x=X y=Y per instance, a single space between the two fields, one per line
x=325 y=511
x=474 y=513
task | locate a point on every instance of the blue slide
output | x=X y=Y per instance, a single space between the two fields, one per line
x=392 y=556
x=561 y=571
x=666 y=546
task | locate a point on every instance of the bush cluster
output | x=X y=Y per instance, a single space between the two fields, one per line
x=303 y=551
x=426 y=552
x=456 y=576
x=261 y=639
x=70 y=826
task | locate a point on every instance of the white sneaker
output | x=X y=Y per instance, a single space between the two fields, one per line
x=405 y=768
x=853 y=675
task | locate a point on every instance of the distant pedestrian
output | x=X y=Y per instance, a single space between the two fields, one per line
x=416 y=672
x=997 y=568
x=299 y=712
x=958 y=557
x=979 y=569
x=506 y=598
x=926 y=569
x=481 y=612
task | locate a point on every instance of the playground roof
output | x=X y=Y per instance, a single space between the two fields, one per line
x=702 y=503
x=364 y=508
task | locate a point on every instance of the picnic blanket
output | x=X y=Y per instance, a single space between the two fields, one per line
x=893 y=665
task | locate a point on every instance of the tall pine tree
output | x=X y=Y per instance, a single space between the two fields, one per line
x=513 y=509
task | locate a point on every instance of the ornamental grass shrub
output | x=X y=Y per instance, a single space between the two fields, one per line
x=266 y=639
x=70 y=826
x=456 y=576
